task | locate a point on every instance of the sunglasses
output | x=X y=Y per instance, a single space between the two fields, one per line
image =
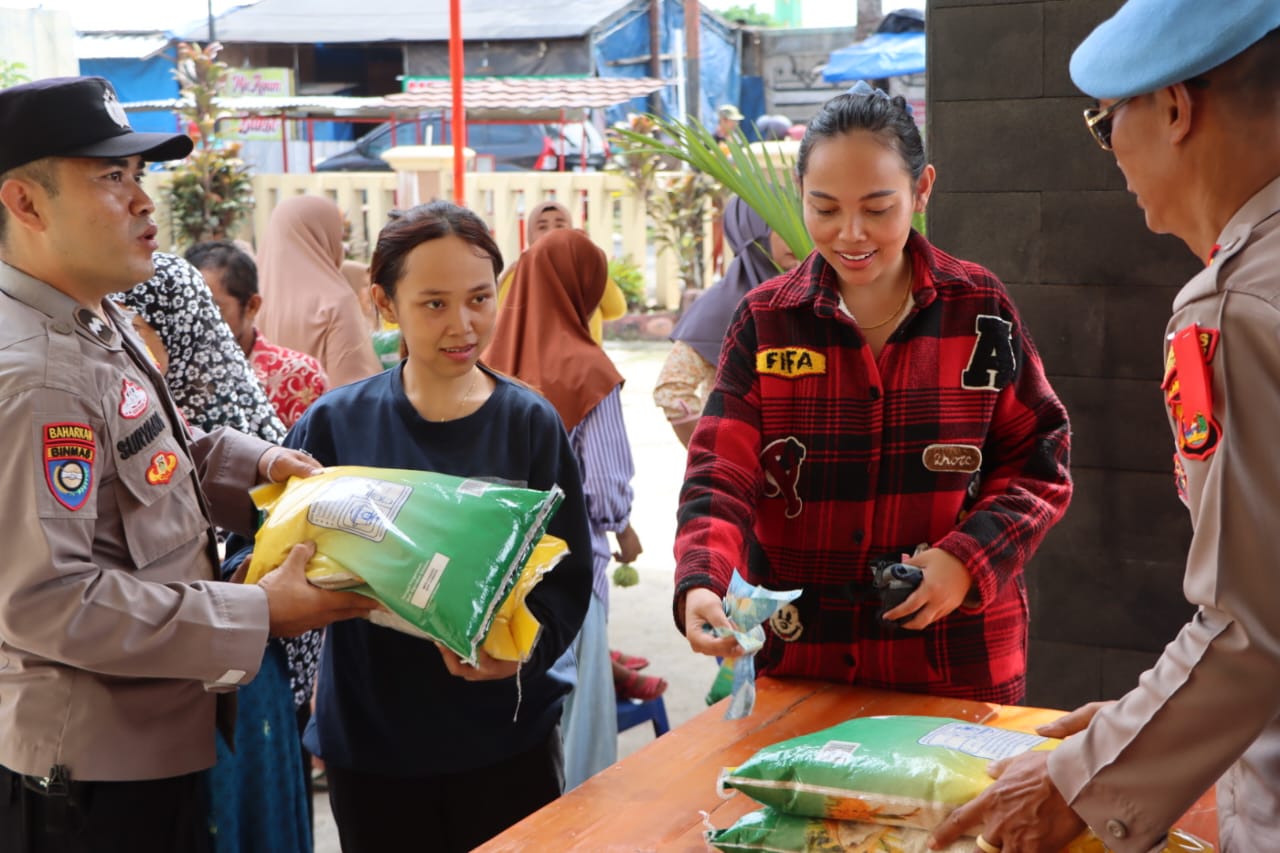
x=1098 y=120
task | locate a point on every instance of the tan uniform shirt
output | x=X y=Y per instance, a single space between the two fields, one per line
x=110 y=622
x=1210 y=704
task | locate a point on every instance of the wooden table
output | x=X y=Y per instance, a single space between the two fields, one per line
x=652 y=799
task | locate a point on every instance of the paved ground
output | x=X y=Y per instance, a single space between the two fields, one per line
x=640 y=617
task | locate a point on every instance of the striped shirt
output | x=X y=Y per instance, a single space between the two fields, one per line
x=604 y=454
x=815 y=459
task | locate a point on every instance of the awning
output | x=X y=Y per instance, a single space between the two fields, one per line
x=528 y=94
x=880 y=55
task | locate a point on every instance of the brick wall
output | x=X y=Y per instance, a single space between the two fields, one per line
x=1024 y=190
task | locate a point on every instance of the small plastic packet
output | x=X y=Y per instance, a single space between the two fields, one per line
x=748 y=608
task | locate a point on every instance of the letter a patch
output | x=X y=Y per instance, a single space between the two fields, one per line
x=69 y=450
x=992 y=362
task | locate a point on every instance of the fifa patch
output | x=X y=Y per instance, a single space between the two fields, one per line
x=952 y=458
x=781 y=461
x=791 y=362
x=133 y=400
x=68 y=450
x=163 y=465
x=1188 y=390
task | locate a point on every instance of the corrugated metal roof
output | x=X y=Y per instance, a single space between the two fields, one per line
x=338 y=21
x=529 y=93
x=120 y=45
x=302 y=104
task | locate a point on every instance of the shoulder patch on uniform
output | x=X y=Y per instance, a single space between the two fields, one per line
x=133 y=400
x=791 y=362
x=1188 y=390
x=950 y=458
x=69 y=449
x=162 y=467
x=95 y=325
x=991 y=363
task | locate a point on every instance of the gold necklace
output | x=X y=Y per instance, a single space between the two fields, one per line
x=906 y=297
x=462 y=401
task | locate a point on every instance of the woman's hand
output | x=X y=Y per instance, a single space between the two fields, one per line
x=1069 y=724
x=945 y=585
x=486 y=668
x=703 y=610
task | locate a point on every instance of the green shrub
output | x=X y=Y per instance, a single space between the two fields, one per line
x=630 y=279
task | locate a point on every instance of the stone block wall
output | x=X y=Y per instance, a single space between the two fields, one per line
x=1024 y=190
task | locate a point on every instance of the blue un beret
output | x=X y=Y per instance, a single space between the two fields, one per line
x=1150 y=44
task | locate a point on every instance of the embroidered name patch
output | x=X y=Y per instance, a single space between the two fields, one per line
x=133 y=400
x=146 y=433
x=69 y=449
x=162 y=467
x=791 y=362
x=946 y=458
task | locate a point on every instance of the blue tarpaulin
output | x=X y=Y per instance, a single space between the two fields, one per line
x=880 y=55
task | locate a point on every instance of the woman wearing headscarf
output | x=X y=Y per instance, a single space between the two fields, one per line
x=205 y=369
x=551 y=216
x=307 y=303
x=759 y=255
x=543 y=339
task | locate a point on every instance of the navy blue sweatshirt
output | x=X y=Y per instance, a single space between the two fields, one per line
x=385 y=702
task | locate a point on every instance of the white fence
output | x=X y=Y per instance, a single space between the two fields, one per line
x=601 y=203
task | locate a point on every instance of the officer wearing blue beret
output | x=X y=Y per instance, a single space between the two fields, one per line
x=1188 y=100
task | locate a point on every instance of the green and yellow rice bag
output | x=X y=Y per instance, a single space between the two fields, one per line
x=515 y=629
x=771 y=831
x=441 y=553
x=898 y=770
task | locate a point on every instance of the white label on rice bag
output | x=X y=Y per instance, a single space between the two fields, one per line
x=359 y=505
x=981 y=741
x=837 y=751
x=474 y=488
x=425 y=587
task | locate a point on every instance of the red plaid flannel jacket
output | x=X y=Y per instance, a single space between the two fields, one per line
x=813 y=460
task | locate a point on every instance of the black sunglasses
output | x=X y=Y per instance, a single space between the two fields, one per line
x=1098 y=120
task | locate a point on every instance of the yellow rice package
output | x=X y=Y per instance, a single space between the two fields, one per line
x=895 y=770
x=515 y=629
x=771 y=831
x=441 y=553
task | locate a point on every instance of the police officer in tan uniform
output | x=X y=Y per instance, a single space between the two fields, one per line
x=1189 y=100
x=115 y=639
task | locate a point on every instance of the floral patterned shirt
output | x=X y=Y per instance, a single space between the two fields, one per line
x=293 y=380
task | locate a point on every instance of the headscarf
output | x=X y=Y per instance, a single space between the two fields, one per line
x=542 y=337
x=307 y=305
x=208 y=375
x=704 y=324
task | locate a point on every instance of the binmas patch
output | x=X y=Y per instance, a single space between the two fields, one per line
x=68 y=449
x=791 y=362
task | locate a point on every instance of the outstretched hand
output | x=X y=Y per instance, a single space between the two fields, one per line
x=1023 y=812
x=703 y=611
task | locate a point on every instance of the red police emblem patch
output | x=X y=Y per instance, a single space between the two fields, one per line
x=1188 y=390
x=163 y=465
x=68 y=451
x=133 y=400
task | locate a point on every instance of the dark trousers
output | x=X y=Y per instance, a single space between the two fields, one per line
x=450 y=812
x=151 y=816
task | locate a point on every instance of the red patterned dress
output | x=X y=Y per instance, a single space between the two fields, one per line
x=293 y=380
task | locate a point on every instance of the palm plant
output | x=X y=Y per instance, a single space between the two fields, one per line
x=766 y=184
